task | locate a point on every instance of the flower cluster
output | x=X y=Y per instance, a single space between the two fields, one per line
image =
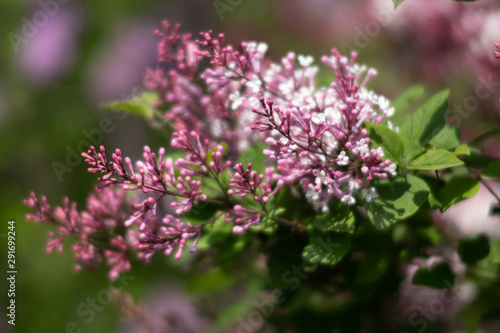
x=172 y=234
x=315 y=137
x=450 y=38
x=249 y=182
x=93 y=228
x=196 y=162
x=154 y=176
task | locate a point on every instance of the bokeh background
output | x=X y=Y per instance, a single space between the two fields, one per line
x=60 y=61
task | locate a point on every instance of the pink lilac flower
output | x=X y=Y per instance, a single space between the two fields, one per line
x=244 y=218
x=168 y=309
x=153 y=175
x=106 y=211
x=471 y=217
x=315 y=137
x=196 y=162
x=51 y=51
x=308 y=130
x=173 y=235
x=451 y=37
x=250 y=182
x=119 y=67
x=416 y=299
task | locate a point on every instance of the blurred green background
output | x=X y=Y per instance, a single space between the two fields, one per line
x=88 y=53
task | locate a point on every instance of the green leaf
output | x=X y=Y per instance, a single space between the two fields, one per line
x=492 y=170
x=398 y=200
x=431 y=234
x=473 y=249
x=457 y=189
x=485 y=135
x=481 y=306
x=397 y=3
x=435 y=159
x=462 y=150
x=448 y=138
x=212 y=188
x=340 y=219
x=419 y=127
x=201 y=212
x=387 y=139
x=238 y=307
x=477 y=160
x=229 y=248
x=217 y=230
x=280 y=262
x=326 y=248
x=267 y=225
x=371 y=268
x=140 y=104
x=433 y=199
x=407 y=98
x=210 y=282
x=437 y=277
x=255 y=156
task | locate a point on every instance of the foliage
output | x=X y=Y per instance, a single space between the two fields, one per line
x=323 y=183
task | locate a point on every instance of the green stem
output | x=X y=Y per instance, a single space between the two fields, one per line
x=483 y=136
x=481 y=180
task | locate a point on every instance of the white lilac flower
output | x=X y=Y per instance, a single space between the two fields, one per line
x=361 y=148
x=369 y=193
x=384 y=105
x=342 y=158
x=321 y=177
x=237 y=100
x=305 y=61
x=348 y=200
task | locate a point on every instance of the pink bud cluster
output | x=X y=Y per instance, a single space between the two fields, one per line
x=172 y=234
x=196 y=162
x=180 y=49
x=193 y=105
x=250 y=182
x=152 y=175
x=94 y=228
x=244 y=218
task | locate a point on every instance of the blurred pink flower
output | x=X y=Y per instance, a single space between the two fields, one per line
x=425 y=305
x=119 y=66
x=450 y=37
x=168 y=310
x=472 y=216
x=50 y=53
